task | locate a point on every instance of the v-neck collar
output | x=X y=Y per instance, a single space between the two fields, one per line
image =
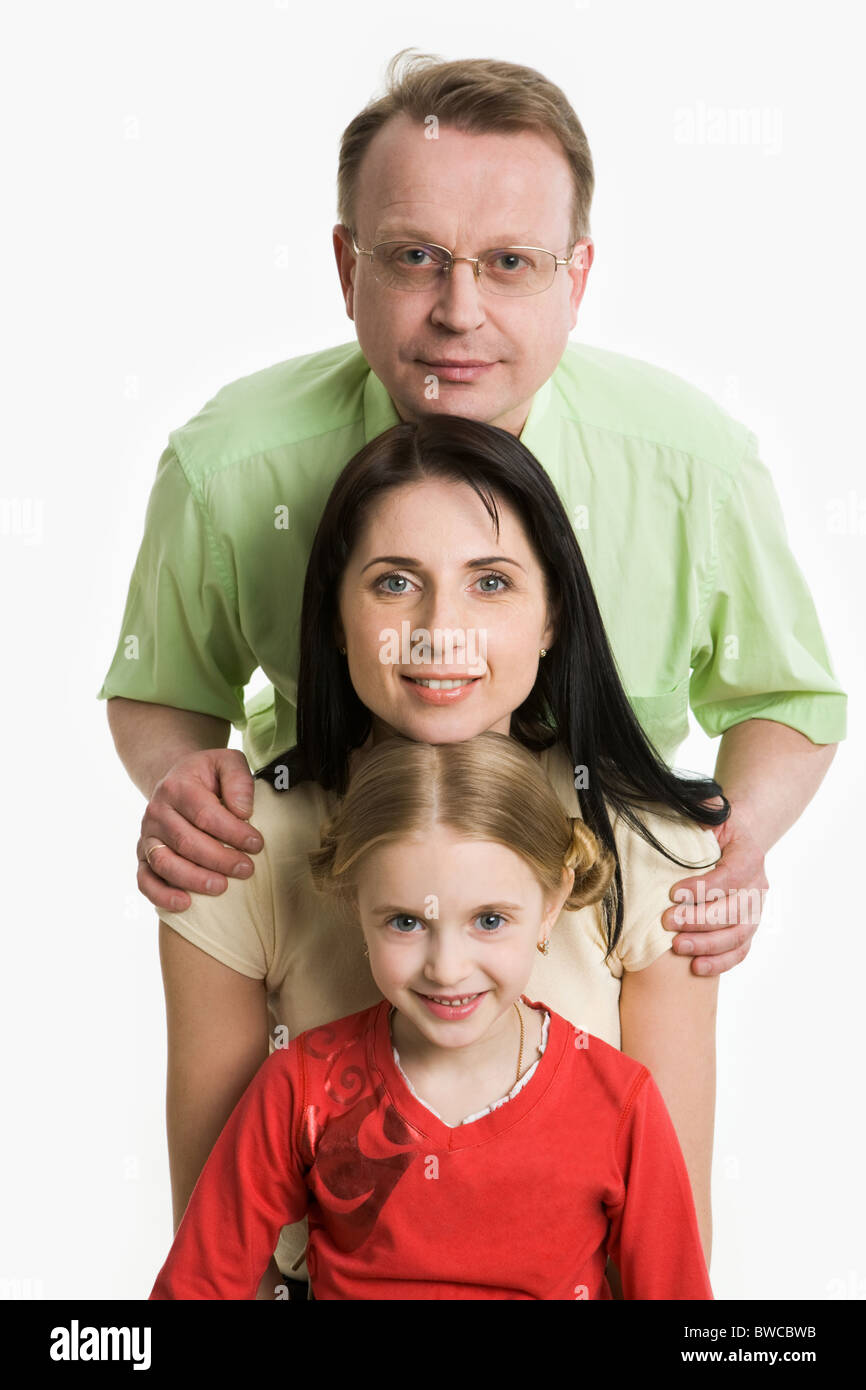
x=480 y=1131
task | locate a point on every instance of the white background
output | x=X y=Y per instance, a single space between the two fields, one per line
x=159 y=159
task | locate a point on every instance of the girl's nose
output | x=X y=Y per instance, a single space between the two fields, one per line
x=448 y=964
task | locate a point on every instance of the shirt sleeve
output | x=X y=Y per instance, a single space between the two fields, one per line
x=180 y=641
x=758 y=650
x=252 y=1184
x=238 y=927
x=647 y=878
x=654 y=1238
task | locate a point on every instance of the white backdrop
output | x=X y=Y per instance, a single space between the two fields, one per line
x=161 y=157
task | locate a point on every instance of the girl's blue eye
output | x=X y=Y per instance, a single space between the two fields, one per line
x=490 y=921
x=403 y=923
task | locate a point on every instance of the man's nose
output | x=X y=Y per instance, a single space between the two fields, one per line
x=458 y=305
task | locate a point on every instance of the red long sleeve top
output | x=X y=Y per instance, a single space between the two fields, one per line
x=524 y=1203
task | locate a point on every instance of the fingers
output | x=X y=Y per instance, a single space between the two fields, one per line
x=192 y=802
x=162 y=895
x=718 y=965
x=715 y=951
x=174 y=871
x=236 y=783
x=737 y=907
x=186 y=858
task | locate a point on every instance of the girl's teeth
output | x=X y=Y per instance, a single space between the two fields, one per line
x=454 y=1002
x=441 y=685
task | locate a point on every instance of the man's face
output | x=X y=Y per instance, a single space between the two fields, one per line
x=469 y=193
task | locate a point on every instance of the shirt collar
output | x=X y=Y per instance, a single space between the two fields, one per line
x=535 y=435
x=379 y=410
x=380 y=414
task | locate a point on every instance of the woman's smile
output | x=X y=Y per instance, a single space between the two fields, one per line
x=440 y=691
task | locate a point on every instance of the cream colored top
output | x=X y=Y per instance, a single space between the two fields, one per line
x=275 y=927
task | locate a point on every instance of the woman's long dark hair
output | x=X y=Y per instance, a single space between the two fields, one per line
x=577 y=700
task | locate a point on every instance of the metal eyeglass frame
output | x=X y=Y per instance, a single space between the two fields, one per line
x=474 y=261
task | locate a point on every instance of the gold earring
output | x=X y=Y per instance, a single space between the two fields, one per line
x=342 y=651
x=543 y=652
x=543 y=946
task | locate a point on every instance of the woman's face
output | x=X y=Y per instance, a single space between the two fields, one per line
x=432 y=595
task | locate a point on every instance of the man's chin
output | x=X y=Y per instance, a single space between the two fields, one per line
x=466 y=401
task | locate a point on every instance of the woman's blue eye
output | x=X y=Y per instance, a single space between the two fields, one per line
x=395 y=579
x=498 y=579
x=403 y=923
x=490 y=921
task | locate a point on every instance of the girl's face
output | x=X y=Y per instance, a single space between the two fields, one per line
x=452 y=927
x=442 y=620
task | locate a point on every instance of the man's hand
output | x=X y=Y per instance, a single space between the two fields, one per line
x=198 y=808
x=720 y=910
x=769 y=773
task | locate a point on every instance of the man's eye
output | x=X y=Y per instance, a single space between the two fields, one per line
x=510 y=261
x=490 y=921
x=404 y=923
x=420 y=256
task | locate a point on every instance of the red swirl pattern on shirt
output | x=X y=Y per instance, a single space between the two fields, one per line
x=336 y=1152
x=346 y=1086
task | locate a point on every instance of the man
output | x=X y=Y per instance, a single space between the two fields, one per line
x=463 y=252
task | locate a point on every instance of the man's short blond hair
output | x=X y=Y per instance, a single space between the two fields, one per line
x=475 y=95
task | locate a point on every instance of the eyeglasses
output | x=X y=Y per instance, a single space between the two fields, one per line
x=512 y=270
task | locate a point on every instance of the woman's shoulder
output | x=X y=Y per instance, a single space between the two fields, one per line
x=675 y=833
x=239 y=926
x=292 y=815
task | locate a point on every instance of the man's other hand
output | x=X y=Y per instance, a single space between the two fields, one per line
x=717 y=914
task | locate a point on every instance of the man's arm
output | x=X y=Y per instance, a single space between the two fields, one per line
x=769 y=772
x=200 y=795
x=151 y=738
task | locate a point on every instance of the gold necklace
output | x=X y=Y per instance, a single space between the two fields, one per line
x=520 y=1053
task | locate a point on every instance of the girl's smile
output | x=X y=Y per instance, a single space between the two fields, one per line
x=457 y=1006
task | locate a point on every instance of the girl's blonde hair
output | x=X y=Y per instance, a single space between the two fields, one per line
x=488 y=788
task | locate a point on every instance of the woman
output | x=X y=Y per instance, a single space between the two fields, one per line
x=447 y=526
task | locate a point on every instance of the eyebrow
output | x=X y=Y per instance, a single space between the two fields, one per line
x=407 y=562
x=394 y=911
x=492 y=243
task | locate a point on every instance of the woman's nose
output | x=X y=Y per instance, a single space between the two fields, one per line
x=443 y=607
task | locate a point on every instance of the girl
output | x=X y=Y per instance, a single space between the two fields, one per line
x=457 y=1140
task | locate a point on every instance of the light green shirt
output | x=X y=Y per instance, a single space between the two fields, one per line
x=677 y=518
